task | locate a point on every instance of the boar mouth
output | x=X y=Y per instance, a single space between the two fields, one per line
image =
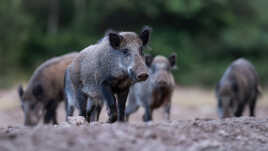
x=138 y=77
x=162 y=85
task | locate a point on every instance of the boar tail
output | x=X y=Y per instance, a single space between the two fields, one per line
x=259 y=90
x=20 y=90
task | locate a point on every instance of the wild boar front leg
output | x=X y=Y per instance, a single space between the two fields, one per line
x=122 y=99
x=167 y=107
x=148 y=112
x=111 y=103
x=131 y=107
x=82 y=102
x=96 y=113
x=90 y=109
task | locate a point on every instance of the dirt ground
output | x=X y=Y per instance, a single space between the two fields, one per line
x=194 y=126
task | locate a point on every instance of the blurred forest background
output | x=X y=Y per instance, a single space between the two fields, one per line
x=206 y=34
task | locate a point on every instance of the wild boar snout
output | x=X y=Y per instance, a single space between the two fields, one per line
x=137 y=76
x=162 y=83
x=162 y=79
x=138 y=72
x=142 y=76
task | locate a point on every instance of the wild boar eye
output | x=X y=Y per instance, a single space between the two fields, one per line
x=141 y=51
x=125 y=51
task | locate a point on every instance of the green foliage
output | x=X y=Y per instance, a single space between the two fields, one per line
x=206 y=34
x=14 y=27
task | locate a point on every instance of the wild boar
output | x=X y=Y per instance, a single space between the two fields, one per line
x=238 y=87
x=104 y=71
x=156 y=91
x=45 y=90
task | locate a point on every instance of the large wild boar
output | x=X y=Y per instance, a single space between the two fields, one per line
x=103 y=72
x=156 y=91
x=238 y=87
x=45 y=90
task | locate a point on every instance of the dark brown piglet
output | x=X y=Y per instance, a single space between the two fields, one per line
x=45 y=90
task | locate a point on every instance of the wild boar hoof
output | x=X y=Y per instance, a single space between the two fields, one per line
x=112 y=118
x=146 y=118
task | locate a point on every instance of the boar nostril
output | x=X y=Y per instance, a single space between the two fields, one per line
x=142 y=76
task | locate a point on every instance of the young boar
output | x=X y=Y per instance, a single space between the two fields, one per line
x=238 y=87
x=104 y=72
x=45 y=90
x=156 y=91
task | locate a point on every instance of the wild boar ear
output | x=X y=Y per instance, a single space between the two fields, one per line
x=20 y=91
x=145 y=35
x=115 y=39
x=148 y=59
x=172 y=60
x=38 y=91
